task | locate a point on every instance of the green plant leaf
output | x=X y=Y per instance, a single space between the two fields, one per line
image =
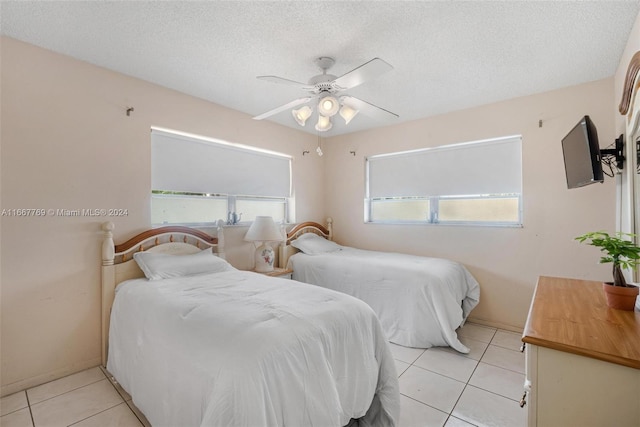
x=620 y=250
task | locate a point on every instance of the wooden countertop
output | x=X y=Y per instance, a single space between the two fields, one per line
x=572 y=315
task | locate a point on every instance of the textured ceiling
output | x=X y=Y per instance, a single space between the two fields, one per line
x=446 y=55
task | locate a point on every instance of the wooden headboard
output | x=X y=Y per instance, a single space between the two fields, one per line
x=118 y=264
x=286 y=250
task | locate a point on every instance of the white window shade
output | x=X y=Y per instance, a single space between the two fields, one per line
x=186 y=164
x=483 y=167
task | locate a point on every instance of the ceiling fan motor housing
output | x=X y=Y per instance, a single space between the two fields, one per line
x=323 y=83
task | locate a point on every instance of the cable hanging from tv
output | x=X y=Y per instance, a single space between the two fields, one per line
x=613 y=158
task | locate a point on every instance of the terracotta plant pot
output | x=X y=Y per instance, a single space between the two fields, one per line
x=619 y=297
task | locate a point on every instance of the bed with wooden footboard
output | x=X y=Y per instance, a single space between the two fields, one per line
x=196 y=342
x=420 y=301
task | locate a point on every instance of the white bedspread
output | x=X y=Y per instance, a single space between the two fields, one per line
x=420 y=301
x=241 y=349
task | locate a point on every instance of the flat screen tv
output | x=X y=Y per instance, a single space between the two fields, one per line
x=582 y=159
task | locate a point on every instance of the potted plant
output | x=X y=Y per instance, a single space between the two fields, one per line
x=622 y=253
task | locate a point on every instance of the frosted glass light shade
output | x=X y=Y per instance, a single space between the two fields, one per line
x=328 y=106
x=324 y=123
x=348 y=113
x=302 y=114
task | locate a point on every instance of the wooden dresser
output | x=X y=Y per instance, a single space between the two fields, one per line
x=582 y=358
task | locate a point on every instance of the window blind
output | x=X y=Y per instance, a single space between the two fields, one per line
x=482 y=167
x=188 y=164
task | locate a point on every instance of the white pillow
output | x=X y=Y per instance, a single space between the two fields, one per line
x=312 y=244
x=164 y=266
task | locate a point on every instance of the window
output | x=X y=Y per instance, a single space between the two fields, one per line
x=474 y=183
x=400 y=209
x=187 y=208
x=251 y=207
x=199 y=181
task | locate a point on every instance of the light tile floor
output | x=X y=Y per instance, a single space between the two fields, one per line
x=84 y=399
x=441 y=387
x=438 y=386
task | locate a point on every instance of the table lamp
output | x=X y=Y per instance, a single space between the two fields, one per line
x=263 y=229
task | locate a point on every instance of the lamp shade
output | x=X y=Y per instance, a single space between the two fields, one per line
x=328 y=105
x=302 y=114
x=347 y=113
x=324 y=123
x=263 y=229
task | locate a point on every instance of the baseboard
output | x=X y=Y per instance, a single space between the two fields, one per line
x=494 y=324
x=17 y=386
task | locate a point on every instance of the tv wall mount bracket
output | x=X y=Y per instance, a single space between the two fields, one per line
x=610 y=155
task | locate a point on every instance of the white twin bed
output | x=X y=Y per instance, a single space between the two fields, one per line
x=419 y=301
x=198 y=343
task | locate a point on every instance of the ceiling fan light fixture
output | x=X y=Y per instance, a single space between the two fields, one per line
x=302 y=114
x=324 y=123
x=348 y=113
x=328 y=105
x=326 y=92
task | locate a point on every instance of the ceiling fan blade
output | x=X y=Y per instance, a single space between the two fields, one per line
x=280 y=80
x=368 y=109
x=291 y=104
x=366 y=71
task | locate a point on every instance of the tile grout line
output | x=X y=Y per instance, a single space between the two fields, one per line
x=506 y=369
x=91 y=416
x=66 y=392
x=425 y=404
x=449 y=414
x=15 y=410
x=26 y=395
x=480 y=388
x=113 y=382
x=464 y=421
x=494 y=393
x=441 y=374
x=26 y=391
x=502 y=367
x=466 y=384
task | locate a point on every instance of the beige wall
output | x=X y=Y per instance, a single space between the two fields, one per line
x=506 y=261
x=68 y=144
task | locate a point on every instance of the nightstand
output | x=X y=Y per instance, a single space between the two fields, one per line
x=283 y=273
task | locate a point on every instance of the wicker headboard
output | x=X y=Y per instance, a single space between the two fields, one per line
x=118 y=264
x=286 y=250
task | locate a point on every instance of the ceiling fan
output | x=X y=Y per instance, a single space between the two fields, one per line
x=326 y=89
